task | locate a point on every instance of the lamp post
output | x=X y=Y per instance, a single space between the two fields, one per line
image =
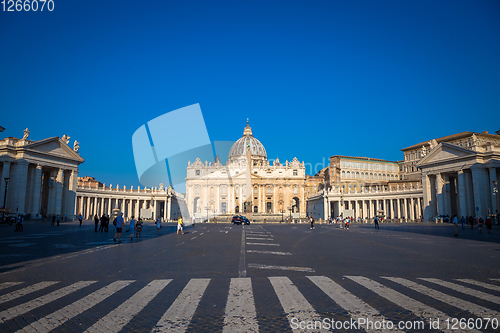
x=495 y=193
x=281 y=211
x=207 y=209
x=5 y=196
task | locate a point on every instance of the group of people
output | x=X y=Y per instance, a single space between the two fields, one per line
x=470 y=220
x=103 y=220
x=135 y=227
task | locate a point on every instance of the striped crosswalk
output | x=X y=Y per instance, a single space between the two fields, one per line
x=353 y=297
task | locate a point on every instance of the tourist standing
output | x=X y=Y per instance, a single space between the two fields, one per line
x=103 y=222
x=480 y=223
x=80 y=218
x=53 y=219
x=455 y=225
x=462 y=220
x=471 y=220
x=311 y=220
x=376 y=222
x=180 y=225
x=106 y=224
x=119 y=227
x=132 y=227
x=96 y=221
x=488 y=224
x=138 y=228
x=58 y=219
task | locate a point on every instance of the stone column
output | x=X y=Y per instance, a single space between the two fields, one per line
x=447 y=195
x=427 y=200
x=5 y=174
x=439 y=194
x=419 y=209
x=52 y=193
x=462 y=209
x=21 y=182
x=71 y=195
x=391 y=208
x=58 y=191
x=477 y=184
x=325 y=207
x=87 y=208
x=356 y=205
x=412 y=209
x=136 y=209
x=80 y=211
x=37 y=185
x=493 y=177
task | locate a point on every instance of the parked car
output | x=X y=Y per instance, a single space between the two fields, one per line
x=238 y=219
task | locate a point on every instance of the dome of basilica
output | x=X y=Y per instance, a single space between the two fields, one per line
x=239 y=148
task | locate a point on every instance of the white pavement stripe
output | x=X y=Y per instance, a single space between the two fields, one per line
x=241 y=315
x=296 y=307
x=9 y=284
x=464 y=290
x=478 y=310
x=283 y=268
x=119 y=317
x=480 y=284
x=178 y=316
x=260 y=238
x=270 y=252
x=56 y=319
x=242 y=272
x=269 y=244
x=358 y=309
x=495 y=279
x=419 y=309
x=42 y=300
x=26 y=291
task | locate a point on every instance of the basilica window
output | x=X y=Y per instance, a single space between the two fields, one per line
x=237 y=190
x=362 y=175
x=295 y=172
x=371 y=175
x=343 y=174
x=197 y=190
x=223 y=190
x=197 y=172
x=255 y=190
x=357 y=174
x=348 y=174
x=384 y=177
x=255 y=209
x=269 y=190
x=211 y=190
x=295 y=190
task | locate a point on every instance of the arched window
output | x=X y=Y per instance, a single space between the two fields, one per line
x=379 y=176
x=357 y=174
x=237 y=209
x=237 y=190
x=223 y=190
x=348 y=174
x=362 y=175
x=392 y=177
x=384 y=177
x=197 y=190
x=343 y=174
x=371 y=175
x=295 y=190
x=269 y=190
x=255 y=209
x=255 y=190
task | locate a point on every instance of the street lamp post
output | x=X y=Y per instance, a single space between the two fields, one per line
x=495 y=193
x=5 y=197
x=281 y=210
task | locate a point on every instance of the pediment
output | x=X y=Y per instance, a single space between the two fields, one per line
x=53 y=147
x=445 y=152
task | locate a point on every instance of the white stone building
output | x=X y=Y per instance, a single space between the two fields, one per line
x=40 y=176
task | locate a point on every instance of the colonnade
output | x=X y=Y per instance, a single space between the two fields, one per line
x=164 y=203
x=34 y=189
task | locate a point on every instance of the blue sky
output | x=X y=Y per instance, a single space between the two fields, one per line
x=316 y=78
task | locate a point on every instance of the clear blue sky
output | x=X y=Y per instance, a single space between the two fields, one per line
x=316 y=78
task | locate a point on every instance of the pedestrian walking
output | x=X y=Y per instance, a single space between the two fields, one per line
x=471 y=221
x=58 y=219
x=119 y=227
x=106 y=224
x=311 y=220
x=80 y=218
x=347 y=224
x=53 y=219
x=488 y=224
x=194 y=220
x=462 y=220
x=158 y=225
x=376 y=222
x=132 y=228
x=96 y=221
x=102 y=220
x=480 y=223
x=180 y=225
x=19 y=223
x=455 y=225
x=138 y=228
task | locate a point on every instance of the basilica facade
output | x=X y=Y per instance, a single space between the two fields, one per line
x=246 y=184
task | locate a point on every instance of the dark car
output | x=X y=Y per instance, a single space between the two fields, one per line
x=238 y=219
